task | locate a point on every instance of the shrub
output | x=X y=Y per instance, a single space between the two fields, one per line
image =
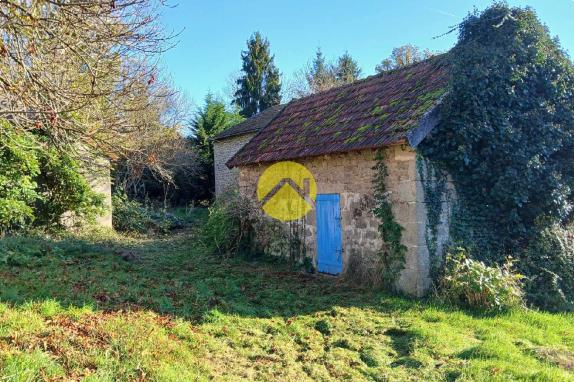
x=131 y=216
x=38 y=183
x=18 y=167
x=64 y=189
x=128 y=215
x=473 y=283
x=236 y=226
x=222 y=232
x=548 y=264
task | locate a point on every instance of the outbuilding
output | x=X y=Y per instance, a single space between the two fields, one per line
x=227 y=143
x=336 y=136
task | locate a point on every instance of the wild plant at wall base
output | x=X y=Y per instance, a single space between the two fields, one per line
x=472 y=283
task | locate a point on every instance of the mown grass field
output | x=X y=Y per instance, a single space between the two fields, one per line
x=103 y=307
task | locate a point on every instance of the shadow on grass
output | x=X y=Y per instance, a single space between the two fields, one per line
x=172 y=275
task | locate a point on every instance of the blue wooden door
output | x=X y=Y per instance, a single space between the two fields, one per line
x=329 y=245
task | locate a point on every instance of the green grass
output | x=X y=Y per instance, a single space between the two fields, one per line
x=103 y=307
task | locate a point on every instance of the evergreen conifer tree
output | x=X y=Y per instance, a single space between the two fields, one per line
x=260 y=85
x=347 y=69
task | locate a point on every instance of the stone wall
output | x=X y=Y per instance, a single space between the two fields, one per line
x=223 y=150
x=97 y=172
x=100 y=182
x=438 y=192
x=350 y=175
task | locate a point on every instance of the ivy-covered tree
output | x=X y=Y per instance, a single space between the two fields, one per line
x=259 y=87
x=506 y=135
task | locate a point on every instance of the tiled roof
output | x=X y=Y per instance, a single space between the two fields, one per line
x=369 y=113
x=251 y=125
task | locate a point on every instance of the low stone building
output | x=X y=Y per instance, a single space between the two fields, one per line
x=336 y=135
x=229 y=141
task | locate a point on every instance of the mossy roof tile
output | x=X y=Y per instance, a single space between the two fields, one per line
x=334 y=121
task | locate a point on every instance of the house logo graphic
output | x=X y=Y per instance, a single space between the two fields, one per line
x=287 y=191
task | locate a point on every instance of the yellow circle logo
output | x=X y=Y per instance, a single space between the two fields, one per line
x=287 y=191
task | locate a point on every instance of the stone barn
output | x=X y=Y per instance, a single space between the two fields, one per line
x=229 y=141
x=336 y=134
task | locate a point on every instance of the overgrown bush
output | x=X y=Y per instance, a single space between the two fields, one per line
x=128 y=215
x=472 y=283
x=64 y=189
x=132 y=216
x=222 y=233
x=548 y=264
x=18 y=168
x=38 y=184
x=235 y=226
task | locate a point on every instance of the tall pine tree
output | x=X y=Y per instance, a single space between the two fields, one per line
x=347 y=69
x=259 y=87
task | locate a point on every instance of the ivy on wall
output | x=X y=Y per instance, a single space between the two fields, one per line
x=393 y=252
x=506 y=136
x=434 y=185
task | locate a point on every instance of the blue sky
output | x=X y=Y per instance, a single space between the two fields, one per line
x=215 y=32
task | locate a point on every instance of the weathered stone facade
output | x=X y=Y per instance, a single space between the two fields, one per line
x=223 y=150
x=351 y=176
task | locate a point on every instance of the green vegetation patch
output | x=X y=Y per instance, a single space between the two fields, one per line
x=364 y=128
x=352 y=139
x=101 y=306
x=513 y=175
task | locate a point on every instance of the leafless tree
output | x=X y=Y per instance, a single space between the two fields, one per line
x=318 y=75
x=160 y=146
x=82 y=72
x=403 y=56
